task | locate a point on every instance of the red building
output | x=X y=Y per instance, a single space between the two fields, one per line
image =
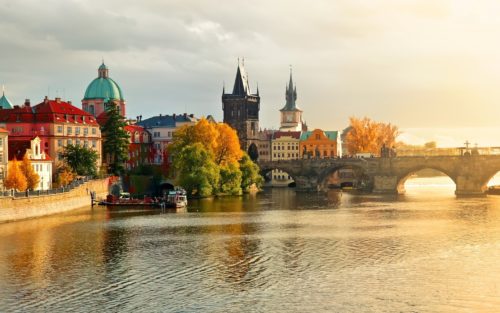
x=140 y=149
x=57 y=123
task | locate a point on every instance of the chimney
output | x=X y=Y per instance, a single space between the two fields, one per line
x=46 y=99
x=69 y=101
x=185 y=115
x=58 y=100
x=173 y=116
x=27 y=102
x=191 y=115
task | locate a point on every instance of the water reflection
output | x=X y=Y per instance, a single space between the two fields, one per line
x=426 y=251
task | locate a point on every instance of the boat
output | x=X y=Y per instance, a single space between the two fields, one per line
x=493 y=190
x=176 y=198
x=124 y=199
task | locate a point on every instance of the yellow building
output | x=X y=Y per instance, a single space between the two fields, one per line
x=284 y=146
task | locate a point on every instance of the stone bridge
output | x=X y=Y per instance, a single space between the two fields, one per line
x=471 y=174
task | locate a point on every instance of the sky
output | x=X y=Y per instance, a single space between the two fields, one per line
x=432 y=67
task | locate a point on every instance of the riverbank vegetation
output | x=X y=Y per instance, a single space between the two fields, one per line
x=208 y=161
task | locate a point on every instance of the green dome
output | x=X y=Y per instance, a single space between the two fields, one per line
x=103 y=87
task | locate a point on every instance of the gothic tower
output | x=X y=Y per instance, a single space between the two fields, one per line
x=291 y=115
x=241 y=112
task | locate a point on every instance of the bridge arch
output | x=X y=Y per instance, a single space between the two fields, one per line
x=358 y=179
x=403 y=177
x=280 y=176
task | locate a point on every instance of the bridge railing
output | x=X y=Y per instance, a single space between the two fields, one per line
x=402 y=152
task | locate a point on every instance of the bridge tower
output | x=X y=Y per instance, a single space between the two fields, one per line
x=241 y=111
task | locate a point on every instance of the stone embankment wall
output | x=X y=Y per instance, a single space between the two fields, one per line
x=36 y=206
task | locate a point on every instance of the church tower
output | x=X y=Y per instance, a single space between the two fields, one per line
x=241 y=112
x=291 y=115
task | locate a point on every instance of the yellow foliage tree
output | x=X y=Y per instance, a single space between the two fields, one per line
x=218 y=138
x=366 y=135
x=64 y=175
x=32 y=178
x=15 y=177
x=228 y=149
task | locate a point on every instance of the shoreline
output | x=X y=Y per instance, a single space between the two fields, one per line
x=17 y=209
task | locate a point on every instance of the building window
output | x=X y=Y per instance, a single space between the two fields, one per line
x=94 y=144
x=85 y=131
x=77 y=130
x=59 y=129
x=1 y=157
x=70 y=142
x=59 y=142
x=94 y=130
x=78 y=142
x=69 y=130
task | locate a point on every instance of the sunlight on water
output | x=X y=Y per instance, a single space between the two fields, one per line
x=280 y=251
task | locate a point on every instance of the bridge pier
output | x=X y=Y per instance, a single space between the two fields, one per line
x=304 y=183
x=468 y=186
x=387 y=184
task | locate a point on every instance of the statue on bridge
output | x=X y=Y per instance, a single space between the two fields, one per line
x=386 y=152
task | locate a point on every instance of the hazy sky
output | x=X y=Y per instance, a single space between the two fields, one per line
x=418 y=64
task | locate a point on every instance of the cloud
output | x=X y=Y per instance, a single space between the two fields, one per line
x=410 y=62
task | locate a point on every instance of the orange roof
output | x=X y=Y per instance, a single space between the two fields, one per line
x=2 y=130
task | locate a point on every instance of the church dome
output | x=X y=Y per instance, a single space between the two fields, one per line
x=103 y=87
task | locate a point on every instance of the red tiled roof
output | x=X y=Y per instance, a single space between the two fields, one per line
x=2 y=130
x=293 y=134
x=134 y=128
x=51 y=111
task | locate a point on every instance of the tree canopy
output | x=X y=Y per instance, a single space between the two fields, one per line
x=367 y=135
x=15 y=178
x=115 y=140
x=82 y=160
x=211 y=150
x=32 y=178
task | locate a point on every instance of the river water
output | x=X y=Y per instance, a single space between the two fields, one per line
x=279 y=251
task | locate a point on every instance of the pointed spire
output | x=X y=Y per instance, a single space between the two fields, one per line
x=257 y=88
x=291 y=94
x=241 y=87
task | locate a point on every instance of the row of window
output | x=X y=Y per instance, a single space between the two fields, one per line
x=69 y=130
x=287 y=148
x=158 y=134
x=78 y=142
x=289 y=155
x=39 y=167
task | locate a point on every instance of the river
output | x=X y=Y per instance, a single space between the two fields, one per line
x=279 y=251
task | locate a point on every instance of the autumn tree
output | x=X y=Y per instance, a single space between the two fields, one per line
x=366 y=135
x=64 y=174
x=32 y=178
x=15 y=178
x=227 y=150
x=222 y=148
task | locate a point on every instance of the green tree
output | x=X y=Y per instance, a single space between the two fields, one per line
x=196 y=170
x=32 y=178
x=250 y=173
x=82 y=160
x=115 y=140
x=230 y=179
